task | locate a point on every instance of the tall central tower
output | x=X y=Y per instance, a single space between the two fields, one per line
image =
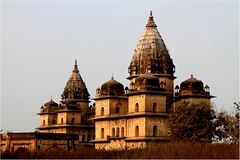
x=152 y=57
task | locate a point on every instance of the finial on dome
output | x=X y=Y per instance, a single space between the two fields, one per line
x=191 y=76
x=75 y=61
x=151 y=22
x=75 y=66
x=51 y=98
x=112 y=77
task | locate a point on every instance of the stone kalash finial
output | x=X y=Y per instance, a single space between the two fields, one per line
x=112 y=77
x=75 y=67
x=151 y=22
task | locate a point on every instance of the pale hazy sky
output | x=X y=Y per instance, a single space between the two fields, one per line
x=41 y=39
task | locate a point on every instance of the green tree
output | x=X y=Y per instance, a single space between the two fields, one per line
x=192 y=122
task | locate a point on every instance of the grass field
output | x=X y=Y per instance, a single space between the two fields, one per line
x=178 y=150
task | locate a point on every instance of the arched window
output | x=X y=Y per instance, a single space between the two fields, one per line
x=155 y=131
x=102 y=133
x=118 y=107
x=83 y=138
x=102 y=111
x=154 y=107
x=118 y=132
x=122 y=132
x=88 y=137
x=93 y=137
x=113 y=132
x=73 y=119
x=53 y=121
x=136 y=131
x=61 y=120
x=117 y=110
x=43 y=122
x=136 y=107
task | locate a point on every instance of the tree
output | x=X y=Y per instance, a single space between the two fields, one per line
x=192 y=122
x=227 y=126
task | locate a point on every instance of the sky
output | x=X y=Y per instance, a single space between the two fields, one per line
x=41 y=39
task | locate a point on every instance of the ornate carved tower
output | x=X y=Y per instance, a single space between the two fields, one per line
x=151 y=56
x=73 y=113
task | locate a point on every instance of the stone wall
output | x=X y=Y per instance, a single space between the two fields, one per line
x=34 y=142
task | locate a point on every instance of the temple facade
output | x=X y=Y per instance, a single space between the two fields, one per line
x=134 y=116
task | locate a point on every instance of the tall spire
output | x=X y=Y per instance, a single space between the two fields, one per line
x=151 y=22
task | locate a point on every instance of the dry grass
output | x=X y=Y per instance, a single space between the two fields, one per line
x=178 y=150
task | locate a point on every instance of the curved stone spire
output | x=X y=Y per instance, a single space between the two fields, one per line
x=151 y=54
x=75 y=88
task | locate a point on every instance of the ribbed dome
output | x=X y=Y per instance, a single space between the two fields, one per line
x=49 y=106
x=112 y=88
x=75 y=88
x=147 y=82
x=192 y=84
x=151 y=54
x=50 y=103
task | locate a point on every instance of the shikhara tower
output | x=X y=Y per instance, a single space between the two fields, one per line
x=151 y=56
x=73 y=113
x=136 y=116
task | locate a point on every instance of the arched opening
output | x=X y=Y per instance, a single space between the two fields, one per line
x=155 y=131
x=61 y=120
x=154 y=107
x=113 y=132
x=53 y=121
x=102 y=133
x=117 y=110
x=122 y=132
x=136 y=107
x=136 y=131
x=102 y=111
x=88 y=138
x=22 y=152
x=43 y=122
x=118 y=132
x=72 y=121
x=93 y=137
x=83 y=138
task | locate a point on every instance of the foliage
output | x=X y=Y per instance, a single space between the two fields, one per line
x=162 y=151
x=192 y=122
x=227 y=126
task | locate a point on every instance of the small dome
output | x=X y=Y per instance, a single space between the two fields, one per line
x=112 y=88
x=49 y=106
x=50 y=103
x=192 y=84
x=147 y=82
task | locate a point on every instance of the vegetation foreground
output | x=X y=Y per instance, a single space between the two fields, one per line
x=162 y=151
